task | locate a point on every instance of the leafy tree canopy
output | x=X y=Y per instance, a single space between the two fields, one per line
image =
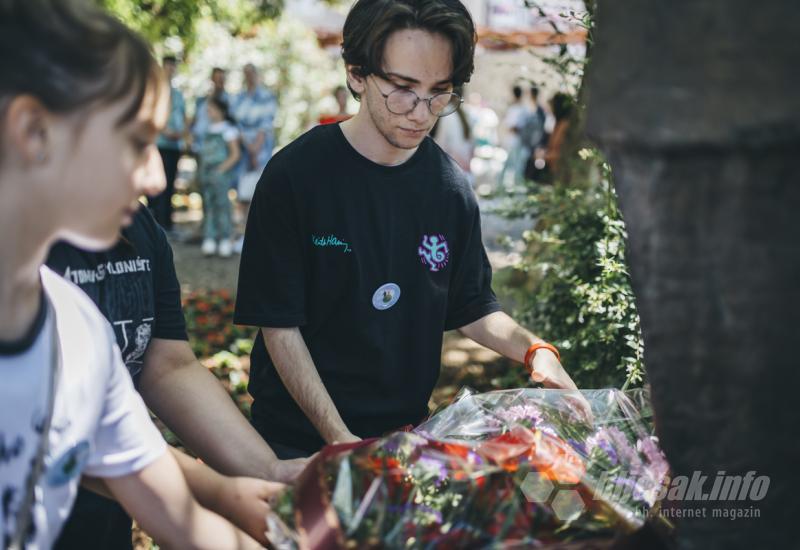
x=159 y=20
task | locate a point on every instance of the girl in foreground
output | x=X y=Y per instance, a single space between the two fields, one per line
x=81 y=102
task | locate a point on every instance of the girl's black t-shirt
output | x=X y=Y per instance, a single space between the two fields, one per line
x=372 y=263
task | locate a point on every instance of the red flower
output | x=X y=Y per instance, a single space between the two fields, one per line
x=551 y=456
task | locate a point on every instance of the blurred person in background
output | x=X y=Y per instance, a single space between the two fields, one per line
x=484 y=120
x=454 y=136
x=534 y=135
x=170 y=146
x=254 y=110
x=340 y=93
x=199 y=123
x=517 y=151
x=217 y=161
x=561 y=105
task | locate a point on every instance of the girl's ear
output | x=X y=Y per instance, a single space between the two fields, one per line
x=27 y=130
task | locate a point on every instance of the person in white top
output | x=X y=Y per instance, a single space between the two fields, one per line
x=518 y=152
x=454 y=136
x=81 y=103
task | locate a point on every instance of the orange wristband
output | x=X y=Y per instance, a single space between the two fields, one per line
x=532 y=351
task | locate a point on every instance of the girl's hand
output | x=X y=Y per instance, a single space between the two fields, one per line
x=245 y=502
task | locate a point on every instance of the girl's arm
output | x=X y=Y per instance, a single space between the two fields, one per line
x=233 y=156
x=159 y=499
x=242 y=500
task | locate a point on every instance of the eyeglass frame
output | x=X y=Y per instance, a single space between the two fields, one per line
x=427 y=100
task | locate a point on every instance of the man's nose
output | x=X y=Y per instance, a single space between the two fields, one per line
x=420 y=114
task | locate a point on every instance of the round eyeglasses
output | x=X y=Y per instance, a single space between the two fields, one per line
x=402 y=101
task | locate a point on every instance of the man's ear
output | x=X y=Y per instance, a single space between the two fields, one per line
x=357 y=83
x=27 y=129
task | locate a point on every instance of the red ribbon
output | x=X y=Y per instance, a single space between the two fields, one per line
x=316 y=520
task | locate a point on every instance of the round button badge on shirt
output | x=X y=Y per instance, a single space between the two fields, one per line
x=386 y=296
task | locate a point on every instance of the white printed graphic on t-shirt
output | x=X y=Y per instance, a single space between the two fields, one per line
x=121 y=301
x=121 y=267
x=133 y=340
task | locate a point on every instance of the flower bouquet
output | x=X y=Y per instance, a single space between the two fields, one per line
x=506 y=468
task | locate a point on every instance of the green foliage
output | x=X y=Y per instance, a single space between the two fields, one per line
x=157 y=20
x=572 y=285
x=160 y=20
x=566 y=62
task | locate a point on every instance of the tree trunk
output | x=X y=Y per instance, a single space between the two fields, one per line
x=697 y=106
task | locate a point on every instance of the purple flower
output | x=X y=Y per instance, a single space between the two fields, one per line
x=654 y=471
x=437 y=514
x=428 y=465
x=520 y=414
x=578 y=446
x=657 y=460
x=614 y=443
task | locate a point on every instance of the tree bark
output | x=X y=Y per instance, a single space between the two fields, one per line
x=697 y=106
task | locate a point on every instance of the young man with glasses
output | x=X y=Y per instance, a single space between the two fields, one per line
x=364 y=244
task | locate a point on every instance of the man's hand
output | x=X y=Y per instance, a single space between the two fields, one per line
x=501 y=333
x=345 y=437
x=297 y=371
x=246 y=501
x=286 y=471
x=547 y=370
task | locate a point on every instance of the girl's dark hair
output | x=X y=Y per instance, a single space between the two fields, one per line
x=70 y=54
x=370 y=23
x=223 y=107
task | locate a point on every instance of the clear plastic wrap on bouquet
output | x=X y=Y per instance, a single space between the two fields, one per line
x=618 y=456
x=520 y=468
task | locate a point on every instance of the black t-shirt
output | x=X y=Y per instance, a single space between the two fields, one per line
x=373 y=263
x=134 y=285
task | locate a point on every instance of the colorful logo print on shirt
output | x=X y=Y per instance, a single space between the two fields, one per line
x=386 y=296
x=69 y=465
x=434 y=252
